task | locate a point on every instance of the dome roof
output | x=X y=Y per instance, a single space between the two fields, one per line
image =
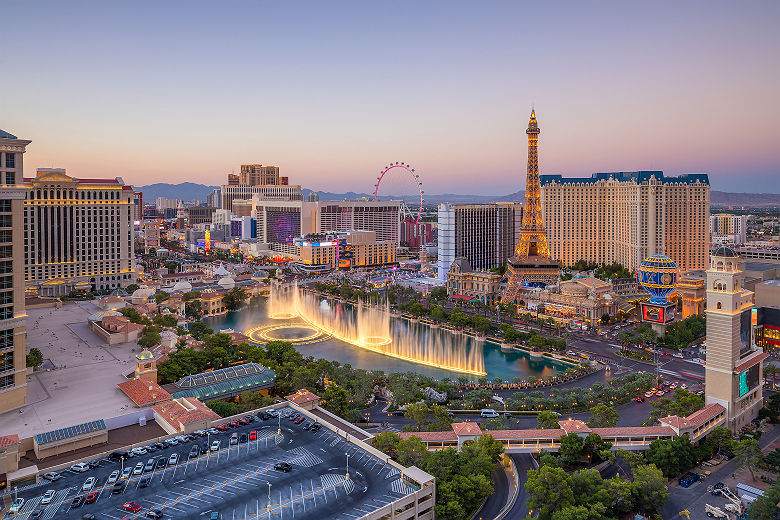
x=143 y=292
x=726 y=252
x=145 y=354
x=98 y=316
x=226 y=282
x=182 y=287
x=220 y=271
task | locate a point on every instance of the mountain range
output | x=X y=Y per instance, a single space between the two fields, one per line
x=192 y=191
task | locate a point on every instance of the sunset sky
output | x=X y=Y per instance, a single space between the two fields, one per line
x=332 y=91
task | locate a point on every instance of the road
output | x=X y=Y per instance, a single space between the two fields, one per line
x=695 y=497
x=523 y=462
x=498 y=499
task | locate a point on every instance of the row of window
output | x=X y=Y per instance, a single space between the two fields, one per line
x=6 y=381
x=6 y=361
x=69 y=194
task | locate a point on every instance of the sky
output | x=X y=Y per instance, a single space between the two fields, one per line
x=331 y=92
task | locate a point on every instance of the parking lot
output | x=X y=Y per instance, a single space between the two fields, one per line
x=233 y=481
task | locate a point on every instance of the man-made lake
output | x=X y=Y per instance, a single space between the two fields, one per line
x=429 y=347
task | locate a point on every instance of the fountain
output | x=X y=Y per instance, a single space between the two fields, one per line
x=370 y=327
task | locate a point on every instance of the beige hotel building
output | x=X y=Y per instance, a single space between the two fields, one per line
x=13 y=332
x=625 y=217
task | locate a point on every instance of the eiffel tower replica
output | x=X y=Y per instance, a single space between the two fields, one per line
x=531 y=261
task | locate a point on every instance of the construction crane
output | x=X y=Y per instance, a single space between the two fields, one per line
x=685 y=514
x=715 y=512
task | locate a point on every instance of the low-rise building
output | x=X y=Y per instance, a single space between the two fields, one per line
x=184 y=415
x=463 y=280
x=211 y=303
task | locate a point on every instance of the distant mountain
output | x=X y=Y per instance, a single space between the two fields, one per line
x=754 y=200
x=192 y=191
x=181 y=191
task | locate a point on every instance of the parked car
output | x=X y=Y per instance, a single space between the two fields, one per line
x=138 y=469
x=81 y=467
x=91 y=497
x=215 y=516
x=215 y=446
x=88 y=516
x=199 y=433
x=639 y=399
x=113 y=477
x=94 y=463
x=160 y=445
x=213 y=431
x=140 y=450
x=118 y=455
x=316 y=427
x=151 y=448
x=172 y=442
x=234 y=424
x=127 y=472
x=52 y=476
x=234 y=439
x=488 y=413
x=173 y=459
x=132 y=507
x=299 y=420
x=48 y=496
x=88 y=484
x=16 y=506
x=282 y=466
x=222 y=427
x=149 y=465
x=194 y=452
x=649 y=394
x=154 y=513
x=160 y=463
x=144 y=481
x=307 y=426
x=119 y=487
x=77 y=501
x=244 y=421
x=243 y=438
x=253 y=435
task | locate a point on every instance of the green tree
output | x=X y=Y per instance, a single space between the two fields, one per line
x=602 y=416
x=387 y=442
x=131 y=288
x=418 y=412
x=682 y=403
x=572 y=448
x=765 y=507
x=34 y=358
x=546 y=420
x=650 y=488
x=218 y=340
x=150 y=336
x=200 y=330
x=749 y=455
x=223 y=408
x=336 y=400
x=720 y=438
x=161 y=296
x=193 y=309
x=672 y=456
x=235 y=298
x=165 y=320
x=549 y=489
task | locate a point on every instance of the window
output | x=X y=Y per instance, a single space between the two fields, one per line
x=10 y=160
x=10 y=178
x=5 y=205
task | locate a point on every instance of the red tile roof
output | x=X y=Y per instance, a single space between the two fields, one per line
x=466 y=428
x=302 y=396
x=634 y=431
x=144 y=392
x=574 y=426
x=528 y=434
x=747 y=364
x=696 y=419
x=186 y=410
x=430 y=436
x=8 y=440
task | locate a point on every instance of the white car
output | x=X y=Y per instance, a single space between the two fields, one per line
x=16 y=506
x=81 y=467
x=138 y=469
x=215 y=446
x=140 y=451
x=48 y=497
x=113 y=477
x=173 y=459
x=127 y=472
x=88 y=484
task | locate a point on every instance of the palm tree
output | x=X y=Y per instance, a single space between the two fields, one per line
x=770 y=371
x=625 y=339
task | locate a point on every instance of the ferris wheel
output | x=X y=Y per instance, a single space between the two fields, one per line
x=414 y=213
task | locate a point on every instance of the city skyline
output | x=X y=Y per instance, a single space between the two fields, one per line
x=331 y=94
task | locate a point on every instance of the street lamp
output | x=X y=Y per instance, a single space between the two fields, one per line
x=269 y=499
x=279 y=430
x=347 y=476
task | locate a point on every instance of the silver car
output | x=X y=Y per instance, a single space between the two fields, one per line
x=48 y=496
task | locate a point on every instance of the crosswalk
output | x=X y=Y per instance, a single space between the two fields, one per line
x=398 y=486
x=393 y=472
x=49 y=510
x=304 y=457
x=270 y=434
x=331 y=480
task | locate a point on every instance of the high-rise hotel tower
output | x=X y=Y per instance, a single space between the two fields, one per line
x=625 y=217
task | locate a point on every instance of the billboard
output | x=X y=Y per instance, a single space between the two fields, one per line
x=748 y=379
x=657 y=313
x=745 y=330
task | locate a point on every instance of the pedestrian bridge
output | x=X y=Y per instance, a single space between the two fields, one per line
x=634 y=438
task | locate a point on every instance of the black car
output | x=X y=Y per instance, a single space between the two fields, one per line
x=118 y=455
x=77 y=501
x=160 y=463
x=36 y=514
x=88 y=516
x=316 y=427
x=151 y=448
x=94 y=463
x=282 y=466
x=204 y=448
x=144 y=482
x=160 y=445
x=154 y=513
x=265 y=416
x=243 y=438
x=119 y=487
x=194 y=452
x=307 y=426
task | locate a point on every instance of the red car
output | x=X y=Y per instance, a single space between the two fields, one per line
x=234 y=424
x=640 y=399
x=299 y=420
x=91 y=497
x=131 y=506
x=244 y=421
x=253 y=435
x=222 y=427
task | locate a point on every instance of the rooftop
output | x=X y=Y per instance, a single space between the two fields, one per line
x=636 y=177
x=144 y=392
x=69 y=432
x=6 y=135
x=225 y=381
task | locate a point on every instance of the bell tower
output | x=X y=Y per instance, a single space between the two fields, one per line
x=734 y=370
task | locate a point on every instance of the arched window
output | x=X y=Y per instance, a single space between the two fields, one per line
x=720 y=305
x=720 y=266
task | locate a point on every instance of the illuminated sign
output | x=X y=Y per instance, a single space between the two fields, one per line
x=658 y=313
x=748 y=379
x=208 y=241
